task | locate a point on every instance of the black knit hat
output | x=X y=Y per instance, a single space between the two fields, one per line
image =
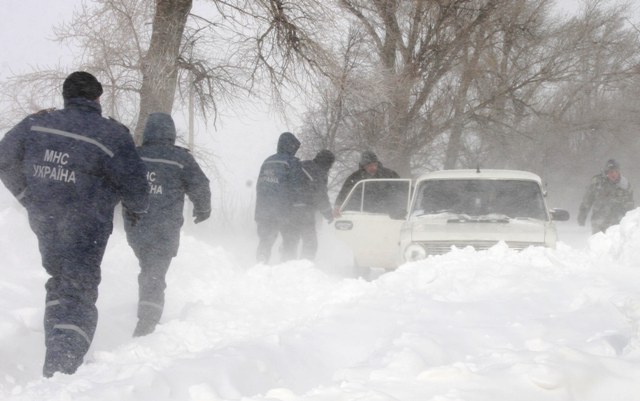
x=324 y=158
x=612 y=164
x=81 y=84
x=368 y=157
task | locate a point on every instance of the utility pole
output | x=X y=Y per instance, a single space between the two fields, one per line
x=191 y=113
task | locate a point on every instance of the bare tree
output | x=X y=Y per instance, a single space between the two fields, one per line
x=233 y=50
x=160 y=63
x=460 y=83
x=409 y=53
x=593 y=116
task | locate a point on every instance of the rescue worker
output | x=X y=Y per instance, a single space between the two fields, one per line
x=370 y=167
x=314 y=199
x=70 y=168
x=609 y=197
x=172 y=174
x=279 y=181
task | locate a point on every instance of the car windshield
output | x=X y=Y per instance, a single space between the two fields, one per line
x=511 y=198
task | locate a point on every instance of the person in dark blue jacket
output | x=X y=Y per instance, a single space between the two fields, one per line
x=70 y=168
x=314 y=198
x=276 y=190
x=172 y=174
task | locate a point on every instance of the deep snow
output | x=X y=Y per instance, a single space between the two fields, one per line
x=497 y=325
x=539 y=325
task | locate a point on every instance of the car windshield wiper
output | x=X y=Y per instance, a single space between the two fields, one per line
x=485 y=218
x=528 y=218
x=421 y=212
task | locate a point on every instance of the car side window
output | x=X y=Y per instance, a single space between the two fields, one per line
x=354 y=202
x=379 y=196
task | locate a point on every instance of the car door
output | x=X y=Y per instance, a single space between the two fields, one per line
x=370 y=221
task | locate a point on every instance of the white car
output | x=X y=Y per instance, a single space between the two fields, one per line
x=387 y=222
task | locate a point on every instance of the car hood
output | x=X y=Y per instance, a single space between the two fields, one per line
x=444 y=227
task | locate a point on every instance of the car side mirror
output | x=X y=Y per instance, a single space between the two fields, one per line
x=559 y=215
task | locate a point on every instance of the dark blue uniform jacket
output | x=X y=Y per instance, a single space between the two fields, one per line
x=278 y=182
x=172 y=174
x=73 y=166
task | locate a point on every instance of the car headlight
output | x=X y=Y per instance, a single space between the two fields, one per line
x=414 y=252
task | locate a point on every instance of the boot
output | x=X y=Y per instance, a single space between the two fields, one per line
x=144 y=327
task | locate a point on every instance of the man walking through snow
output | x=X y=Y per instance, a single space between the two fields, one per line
x=70 y=168
x=173 y=173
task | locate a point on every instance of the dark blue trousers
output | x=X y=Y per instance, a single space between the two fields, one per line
x=268 y=231
x=151 y=285
x=71 y=252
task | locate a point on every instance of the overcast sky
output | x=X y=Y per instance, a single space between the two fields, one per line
x=26 y=32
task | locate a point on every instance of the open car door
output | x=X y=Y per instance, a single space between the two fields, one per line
x=371 y=218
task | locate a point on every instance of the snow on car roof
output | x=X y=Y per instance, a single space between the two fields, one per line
x=486 y=174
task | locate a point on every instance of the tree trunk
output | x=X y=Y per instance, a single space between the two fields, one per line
x=160 y=66
x=453 y=146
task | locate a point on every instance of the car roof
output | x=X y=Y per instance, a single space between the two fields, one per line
x=483 y=174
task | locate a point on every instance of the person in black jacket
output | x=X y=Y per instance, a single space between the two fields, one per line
x=70 y=168
x=279 y=181
x=314 y=199
x=173 y=173
x=370 y=167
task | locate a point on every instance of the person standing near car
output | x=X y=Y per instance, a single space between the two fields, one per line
x=609 y=197
x=70 y=168
x=370 y=167
x=314 y=199
x=172 y=173
x=279 y=183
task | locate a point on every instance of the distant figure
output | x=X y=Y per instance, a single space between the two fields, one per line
x=70 y=168
x=370 y=167
x=609 y=197
x=173 y=173
x=314 y=199
x=278 y=184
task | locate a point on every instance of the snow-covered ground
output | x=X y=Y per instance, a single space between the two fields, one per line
x=538 y=325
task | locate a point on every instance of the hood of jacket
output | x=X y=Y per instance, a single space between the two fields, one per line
x=288 y=143
x=160 y=129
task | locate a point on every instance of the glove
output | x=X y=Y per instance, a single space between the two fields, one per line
x=201 y=216
x=132 y=217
